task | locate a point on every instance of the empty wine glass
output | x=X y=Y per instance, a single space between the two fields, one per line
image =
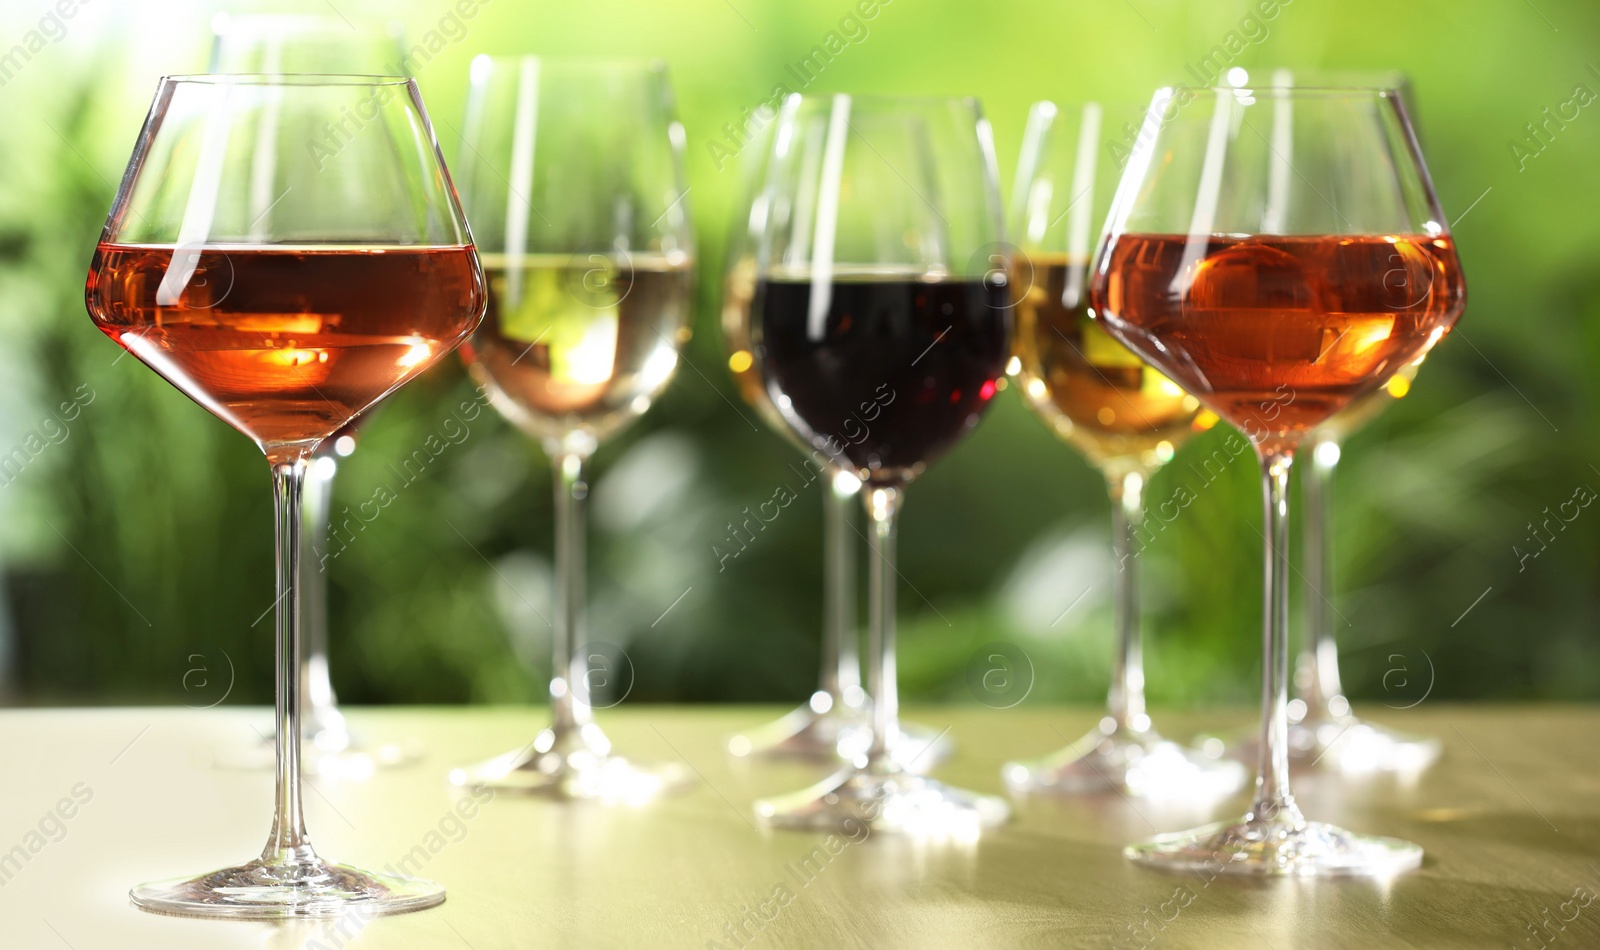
x=1279 y=253
x=571 y=170
x=881 y=327
x=272 y=43
x=286 y=280
x=1127 y=420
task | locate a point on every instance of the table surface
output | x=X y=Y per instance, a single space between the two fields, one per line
x=1510 y=819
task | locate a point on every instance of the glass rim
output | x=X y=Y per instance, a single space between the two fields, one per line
x=650 y=64
x=886 y=98
x=1064 y=104
x=224 y=19
x=287 y=79
x=1254 y=89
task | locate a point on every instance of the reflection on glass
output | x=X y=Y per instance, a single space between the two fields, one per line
x=287 y=302
x=571 y=171
x=269 y=43
x=835 y=721
x=1278 y=252
x=1127 y=420
x=882 y=331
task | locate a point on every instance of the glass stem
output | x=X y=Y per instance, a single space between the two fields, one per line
x=1126 y=700
x=1274 y=802
x=288 y=843
x=568 y=700
x=883 y=509
x=841 y=660
x=1323 y=693
x=316 y=688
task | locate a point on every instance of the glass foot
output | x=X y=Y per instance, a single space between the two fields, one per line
x=811 y=731
x=826 y=730
x=1288 y=846
x=1340 y=744
x=885 y=800
x=574 y=764
x=260 y=891
x=325 y=753
x=1135 y=762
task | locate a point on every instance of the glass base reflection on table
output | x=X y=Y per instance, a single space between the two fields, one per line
x=1134 y=761
x=1336 y=743
x=1280 y=845
x=574 y=763
x=825 y=730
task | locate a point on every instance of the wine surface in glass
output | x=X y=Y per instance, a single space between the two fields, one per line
x=285 y=343
x=1281 y=332
x=897 y=367
x=575 y=342
x=1096 y=392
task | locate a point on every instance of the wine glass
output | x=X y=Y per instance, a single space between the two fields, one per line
x=571 y=170
x=272 y=43
x=1279 y=253
x=286 y=280
x=289 y=43
x=1127 y=420
x=1322 y=729
x=881 y=328
x=835 y=721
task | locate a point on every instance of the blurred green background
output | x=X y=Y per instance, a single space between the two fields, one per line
x=135 y=543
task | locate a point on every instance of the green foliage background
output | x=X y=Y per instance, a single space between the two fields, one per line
x=139 y=547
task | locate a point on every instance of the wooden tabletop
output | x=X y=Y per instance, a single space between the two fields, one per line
x=1510 y=819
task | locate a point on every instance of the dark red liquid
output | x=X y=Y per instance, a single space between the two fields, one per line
x=287 y=344
x=1276 y=334
x=901 y=368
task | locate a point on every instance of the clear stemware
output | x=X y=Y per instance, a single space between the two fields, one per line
x=286 y=280
x=571 y=170
x=1278 y=252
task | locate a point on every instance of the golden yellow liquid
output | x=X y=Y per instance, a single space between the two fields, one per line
x=738 y=292
x=580 y=342
x=1094 y=392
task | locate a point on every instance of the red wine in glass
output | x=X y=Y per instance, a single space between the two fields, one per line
x=896 y=372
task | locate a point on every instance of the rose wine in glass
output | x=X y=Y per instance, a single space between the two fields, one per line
x=1283 y=258
x=286 y=292
x=882 y=329
x=1125 y=417
x=273 y=43
x=572 y=172
x=1293 y=326
x=285 y=344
